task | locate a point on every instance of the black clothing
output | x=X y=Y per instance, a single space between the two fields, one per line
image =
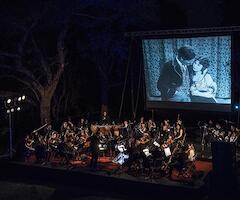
x=94 y=149
x=170 y=78
x=104 y=120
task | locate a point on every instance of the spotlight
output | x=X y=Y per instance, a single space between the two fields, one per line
x=12 y=109
x=236 y=107
x=23 y=97
x=19 y=98
x=18 y=108
x=8 y=111
x=9 y=101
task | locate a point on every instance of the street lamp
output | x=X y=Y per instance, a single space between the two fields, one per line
x=12 y=105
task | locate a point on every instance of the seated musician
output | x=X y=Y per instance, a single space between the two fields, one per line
x=178 y=132
x=218 y=133
x=142 y=121
x=234 y=136
x=191 y=154
x=70 y=123
x=165 y=129
x=54 y=140
x=170 y=140
x=82 y=124
x=152 y=127
x=64 y=129
x=144 y=139
x=143 y=128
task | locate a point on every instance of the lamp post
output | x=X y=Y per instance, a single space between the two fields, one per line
x=12 y=105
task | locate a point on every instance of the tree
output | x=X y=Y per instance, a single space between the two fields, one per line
x=33 y=65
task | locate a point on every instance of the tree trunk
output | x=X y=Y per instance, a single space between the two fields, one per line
x=45 y=108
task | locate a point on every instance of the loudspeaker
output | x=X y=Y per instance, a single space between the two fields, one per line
x=223 y=157
x=224 y=165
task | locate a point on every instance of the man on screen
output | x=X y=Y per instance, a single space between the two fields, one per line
x=174 y=79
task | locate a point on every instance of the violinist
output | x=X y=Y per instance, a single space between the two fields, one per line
x=152 y=127
x=178 y=132
x=144 y=139
x=165 y=130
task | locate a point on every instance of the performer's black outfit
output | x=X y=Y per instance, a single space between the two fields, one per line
x=94 y=142
x=104 y=120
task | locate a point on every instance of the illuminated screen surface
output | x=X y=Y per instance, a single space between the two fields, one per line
x=188 y=71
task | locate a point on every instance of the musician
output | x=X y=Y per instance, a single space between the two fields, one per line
x=143 y=140
x=191 y=154
x=104 y=119
x=178 y=132
x=170 y=140
x=142 y=121
x=143 y=128
x=82 y=124
x=152 y=127
x=126 y=129
x=52 y=144
x=218 y=133
x=40 y=149
x=94 y=149
x=29 y=146
x=70 y=123
x=234 y=136
x=165 y=130
x=64 y=129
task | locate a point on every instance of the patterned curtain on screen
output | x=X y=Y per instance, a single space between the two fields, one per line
x=216 y=49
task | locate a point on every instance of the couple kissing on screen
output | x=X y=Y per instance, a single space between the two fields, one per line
x=186 y=78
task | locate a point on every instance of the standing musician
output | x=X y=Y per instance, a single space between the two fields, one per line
x=29 y=146
x=104 y=119
x=94 y=149
x=125 y=130
x=40 y=149
x=53 y=142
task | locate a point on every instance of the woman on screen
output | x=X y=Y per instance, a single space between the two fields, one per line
x=203 y=88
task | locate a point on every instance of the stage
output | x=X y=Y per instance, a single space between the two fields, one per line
x=110 y=177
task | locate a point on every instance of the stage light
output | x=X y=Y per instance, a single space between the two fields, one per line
x=236 y=107
x=8 y=111
x=12 y=109
x=23 y=97
x=18 y=108
x=19 y=98
x=9 y=101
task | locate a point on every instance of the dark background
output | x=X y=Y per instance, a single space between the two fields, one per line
x=98 y=54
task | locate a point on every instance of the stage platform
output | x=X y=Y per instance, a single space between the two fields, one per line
x=108 y=176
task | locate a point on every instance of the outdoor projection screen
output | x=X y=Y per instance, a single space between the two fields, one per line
x=188 y=73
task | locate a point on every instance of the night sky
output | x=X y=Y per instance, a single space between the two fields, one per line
x=96 y=51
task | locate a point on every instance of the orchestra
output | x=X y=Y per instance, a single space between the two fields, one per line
x=143 y=145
